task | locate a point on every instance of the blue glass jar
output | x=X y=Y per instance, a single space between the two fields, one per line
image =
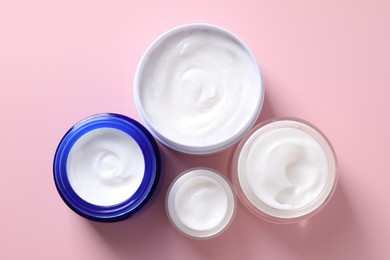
x=149 y=181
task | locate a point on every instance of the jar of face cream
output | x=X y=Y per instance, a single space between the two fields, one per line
x=284 y=170
x=200 y=203
x=198 y=89
x=107 y=168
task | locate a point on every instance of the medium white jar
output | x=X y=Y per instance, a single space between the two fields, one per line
x=284 y=170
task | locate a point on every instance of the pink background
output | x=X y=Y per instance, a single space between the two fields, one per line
x=325 y=61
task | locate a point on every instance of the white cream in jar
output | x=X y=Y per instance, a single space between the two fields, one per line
x=200 y=203
x=105 y=166
x=285 y=170
x=198 y=89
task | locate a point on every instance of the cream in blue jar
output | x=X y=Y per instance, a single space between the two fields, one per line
x=107 y=168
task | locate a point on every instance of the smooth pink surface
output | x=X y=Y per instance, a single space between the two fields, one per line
x=327 y=62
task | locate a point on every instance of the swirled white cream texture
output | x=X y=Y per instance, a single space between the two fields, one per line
x=200 y=202
x=200 y=88
x=105 y=166
x=285 y=169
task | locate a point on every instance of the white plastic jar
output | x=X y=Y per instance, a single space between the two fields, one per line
x=198 y=89
x=284 y=170
x=200 y=203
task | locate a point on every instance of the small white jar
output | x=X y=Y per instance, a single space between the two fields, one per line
x=198 y=89
x=200 y=203
x=284 y=170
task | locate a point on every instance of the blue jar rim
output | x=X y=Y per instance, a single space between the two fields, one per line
x=150 y=181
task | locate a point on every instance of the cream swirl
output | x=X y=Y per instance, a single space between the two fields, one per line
x=285 y=168
x=105 y=166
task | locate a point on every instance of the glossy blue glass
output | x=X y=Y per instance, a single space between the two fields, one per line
x=150 y=182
